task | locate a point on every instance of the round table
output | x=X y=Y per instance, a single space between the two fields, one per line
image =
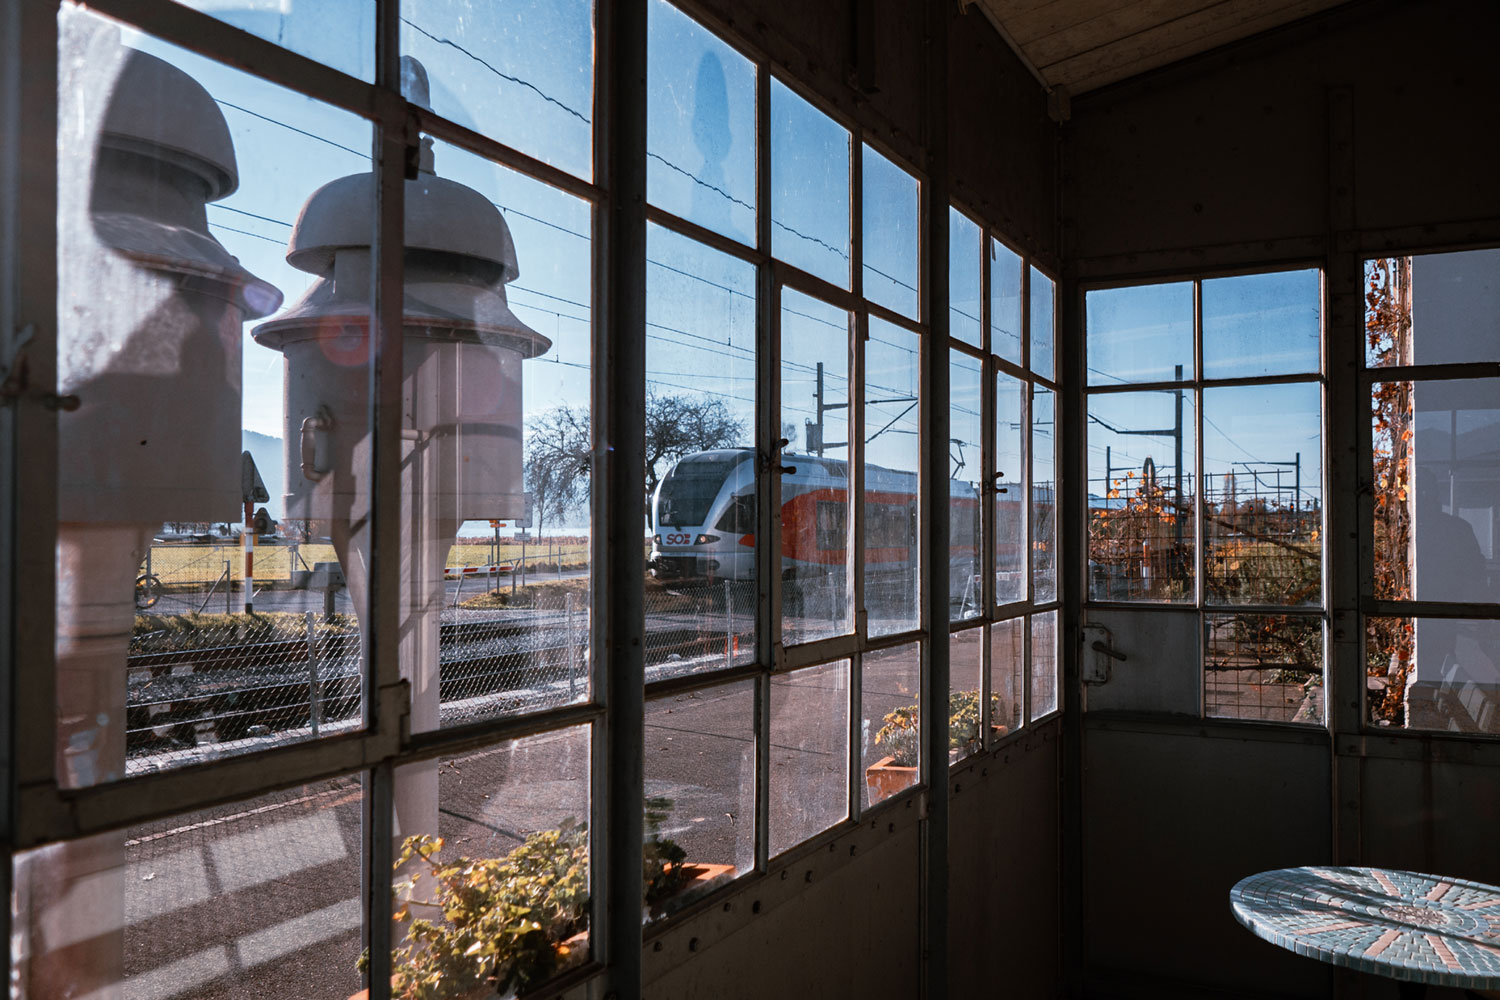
x=1420 y=929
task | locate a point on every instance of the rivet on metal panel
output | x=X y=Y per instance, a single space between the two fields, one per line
x=656 y=946
x=890 y=828
x=807 y=876
x=755 y=906
x=728 y=907
x=692 y=944
x=853 y=848
x=784 y=874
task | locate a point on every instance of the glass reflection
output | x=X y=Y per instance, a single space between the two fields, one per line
x=810 y=204
x=700 y=151
x=965 y=477
x=1440 y=674
x=809 y=753
x=893 y=456
x=1143 y=333
x=701 y=478
x=815 y=557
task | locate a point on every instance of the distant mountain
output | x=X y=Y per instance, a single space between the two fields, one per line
x=266 y=451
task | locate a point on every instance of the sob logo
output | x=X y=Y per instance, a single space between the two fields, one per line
x=677 y=538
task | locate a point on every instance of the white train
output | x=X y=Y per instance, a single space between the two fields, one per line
x=703 y=520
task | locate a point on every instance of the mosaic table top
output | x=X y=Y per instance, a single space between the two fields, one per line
x=1418 y=928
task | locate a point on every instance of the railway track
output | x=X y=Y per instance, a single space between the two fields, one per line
x=185 y=698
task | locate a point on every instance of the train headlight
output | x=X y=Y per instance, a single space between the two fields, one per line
x=705 y=539
x=656 y=539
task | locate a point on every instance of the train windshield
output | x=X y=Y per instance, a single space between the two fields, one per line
x=689 y=489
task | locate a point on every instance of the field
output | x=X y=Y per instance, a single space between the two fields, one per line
x=203 y=564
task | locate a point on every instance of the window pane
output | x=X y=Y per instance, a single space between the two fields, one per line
x=893 y=457
x=1005 y=302
x=965 y=541
x=1433 y=309
x=1043 y=664
x=809 y=187
x=890 y=681
x=515 y=629
x=892 y=201
x=815 y=497
x=965 y=699
x=1140 y=501
x=178 y=183
x=1263 y=510
x=1262 y=324
x=1043 y=322
x=1010 y=498
x=809 y=753
x=259 y=898
x=1437 y=500
x=701 y=497
x=521 y=73
x=1140 y=334
x=1434 y=674
x=1264 y=667
x=700 y=102
x=965 y=255
x=1043 y=495
x=1008 y=672
x=700 y=788
x=494 y=838
x=337 y=33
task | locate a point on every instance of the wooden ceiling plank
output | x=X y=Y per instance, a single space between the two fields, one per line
x=1170 y=42
x=1058 y=15
x=1003 y=10
x=1118 y=26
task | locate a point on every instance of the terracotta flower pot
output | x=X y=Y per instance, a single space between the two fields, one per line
x=885 y=778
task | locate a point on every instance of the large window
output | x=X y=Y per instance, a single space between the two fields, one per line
x=1205 y=486
x=1432 y=594
x=329 y=517
x=1002 y=489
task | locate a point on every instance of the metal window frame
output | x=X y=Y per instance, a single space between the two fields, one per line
x=1197 y=385
x=1367 y=376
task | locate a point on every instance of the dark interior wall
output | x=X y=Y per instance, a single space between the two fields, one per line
x=1003 y=894
x=1173 y=817
x=1227 y=155
x=1231 y=160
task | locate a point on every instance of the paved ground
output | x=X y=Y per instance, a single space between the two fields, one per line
x=262 y=899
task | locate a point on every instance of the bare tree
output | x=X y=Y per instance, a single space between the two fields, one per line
x=559 y=442
x=557 y=462
x=680 y=425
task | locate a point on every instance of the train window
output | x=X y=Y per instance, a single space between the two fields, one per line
x=739 y=516
x=831 y=525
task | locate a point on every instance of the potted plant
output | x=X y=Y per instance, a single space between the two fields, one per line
x=900 y=737
x=481 y=927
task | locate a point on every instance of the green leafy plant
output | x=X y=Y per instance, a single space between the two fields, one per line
x=481 y=927
x=900 y=736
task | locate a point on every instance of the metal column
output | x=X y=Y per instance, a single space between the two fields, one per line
x=935 y=431
x=620 y=462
